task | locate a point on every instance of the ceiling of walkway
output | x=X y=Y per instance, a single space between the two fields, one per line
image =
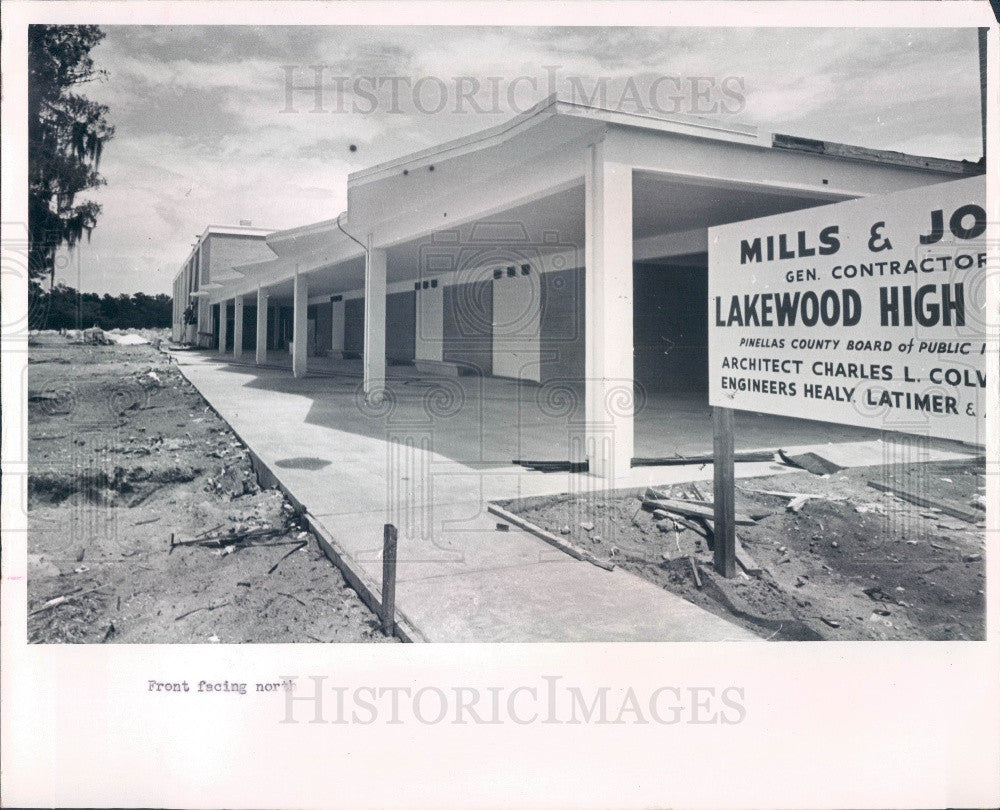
x=549 y=232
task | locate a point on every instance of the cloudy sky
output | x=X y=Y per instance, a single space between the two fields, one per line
x=217 y=125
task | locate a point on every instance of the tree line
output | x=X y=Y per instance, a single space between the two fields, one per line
x=63 y=307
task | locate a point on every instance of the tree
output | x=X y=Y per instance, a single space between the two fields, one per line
x=63 y=307
x=66 y=136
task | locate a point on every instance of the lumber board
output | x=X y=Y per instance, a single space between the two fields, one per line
x=810 y=462
x=672 y=461
x=928 y=503
x=745 y=560
x=548 y=537
x=699 y=509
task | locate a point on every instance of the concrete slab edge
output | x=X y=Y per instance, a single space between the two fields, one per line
x=367 y=589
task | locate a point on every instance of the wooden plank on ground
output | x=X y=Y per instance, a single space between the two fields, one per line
x=673 y=461
x=694 y=572
x=810 y=462
x=700 y=509
x=548 y=537
x=928 y=503
x=746 y=561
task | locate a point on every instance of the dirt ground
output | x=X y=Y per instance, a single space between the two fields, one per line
x=857 y=564
x=124 y=453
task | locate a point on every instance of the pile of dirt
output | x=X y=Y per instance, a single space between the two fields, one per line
x=127 y=465
x=851 y=564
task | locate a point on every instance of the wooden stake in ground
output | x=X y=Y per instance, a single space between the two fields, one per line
x=389 y=579
x=725 y=492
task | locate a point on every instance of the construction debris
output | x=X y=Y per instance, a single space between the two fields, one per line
x=59 y=600
x=298 y=547
x=745 y=561
x=551 y=539
x=677 y=460
x=198 y=609
x=931 y=503
x=780 y=494
x=811 y=462
x=231 y=538
x=703 y=509
x=94 y=336
x=694 y=572
x=554 y=466
x=796 y=503
x=649 y=461
x=801 y=575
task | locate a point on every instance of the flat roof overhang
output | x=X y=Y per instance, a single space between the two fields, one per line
x=689 y=174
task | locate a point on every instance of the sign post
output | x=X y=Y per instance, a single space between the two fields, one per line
x=390 y=538
x=724 y=491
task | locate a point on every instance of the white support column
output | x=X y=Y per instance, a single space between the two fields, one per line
x=300 y=324
x=375 y=292
x=338 y=319
x=238 y=327
x=223 y=325
x=610 y=394
x=261 y=344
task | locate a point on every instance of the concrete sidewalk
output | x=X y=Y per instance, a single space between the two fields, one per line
x=459 y=578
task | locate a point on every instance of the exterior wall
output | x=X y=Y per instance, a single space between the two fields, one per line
x=324 y=326
x=213 y=320
x=272 y=320
x=671 y=326
x=223 y=251
x=185 y=283
x=204 y=324
x=229 y=328
x=517 y=308
x=286 y=317
x=468 y=326
x=249 y=327
x=400 y=327
x=354 y=327
x=279 y=319
x=176 y=324
x=563 y=347
x=204 y=256
x=428 y=342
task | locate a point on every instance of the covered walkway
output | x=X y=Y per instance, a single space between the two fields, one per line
x=491 y=421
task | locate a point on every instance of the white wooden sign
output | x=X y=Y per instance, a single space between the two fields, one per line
x=866 y=312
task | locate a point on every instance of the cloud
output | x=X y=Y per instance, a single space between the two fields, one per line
x=202 y=135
